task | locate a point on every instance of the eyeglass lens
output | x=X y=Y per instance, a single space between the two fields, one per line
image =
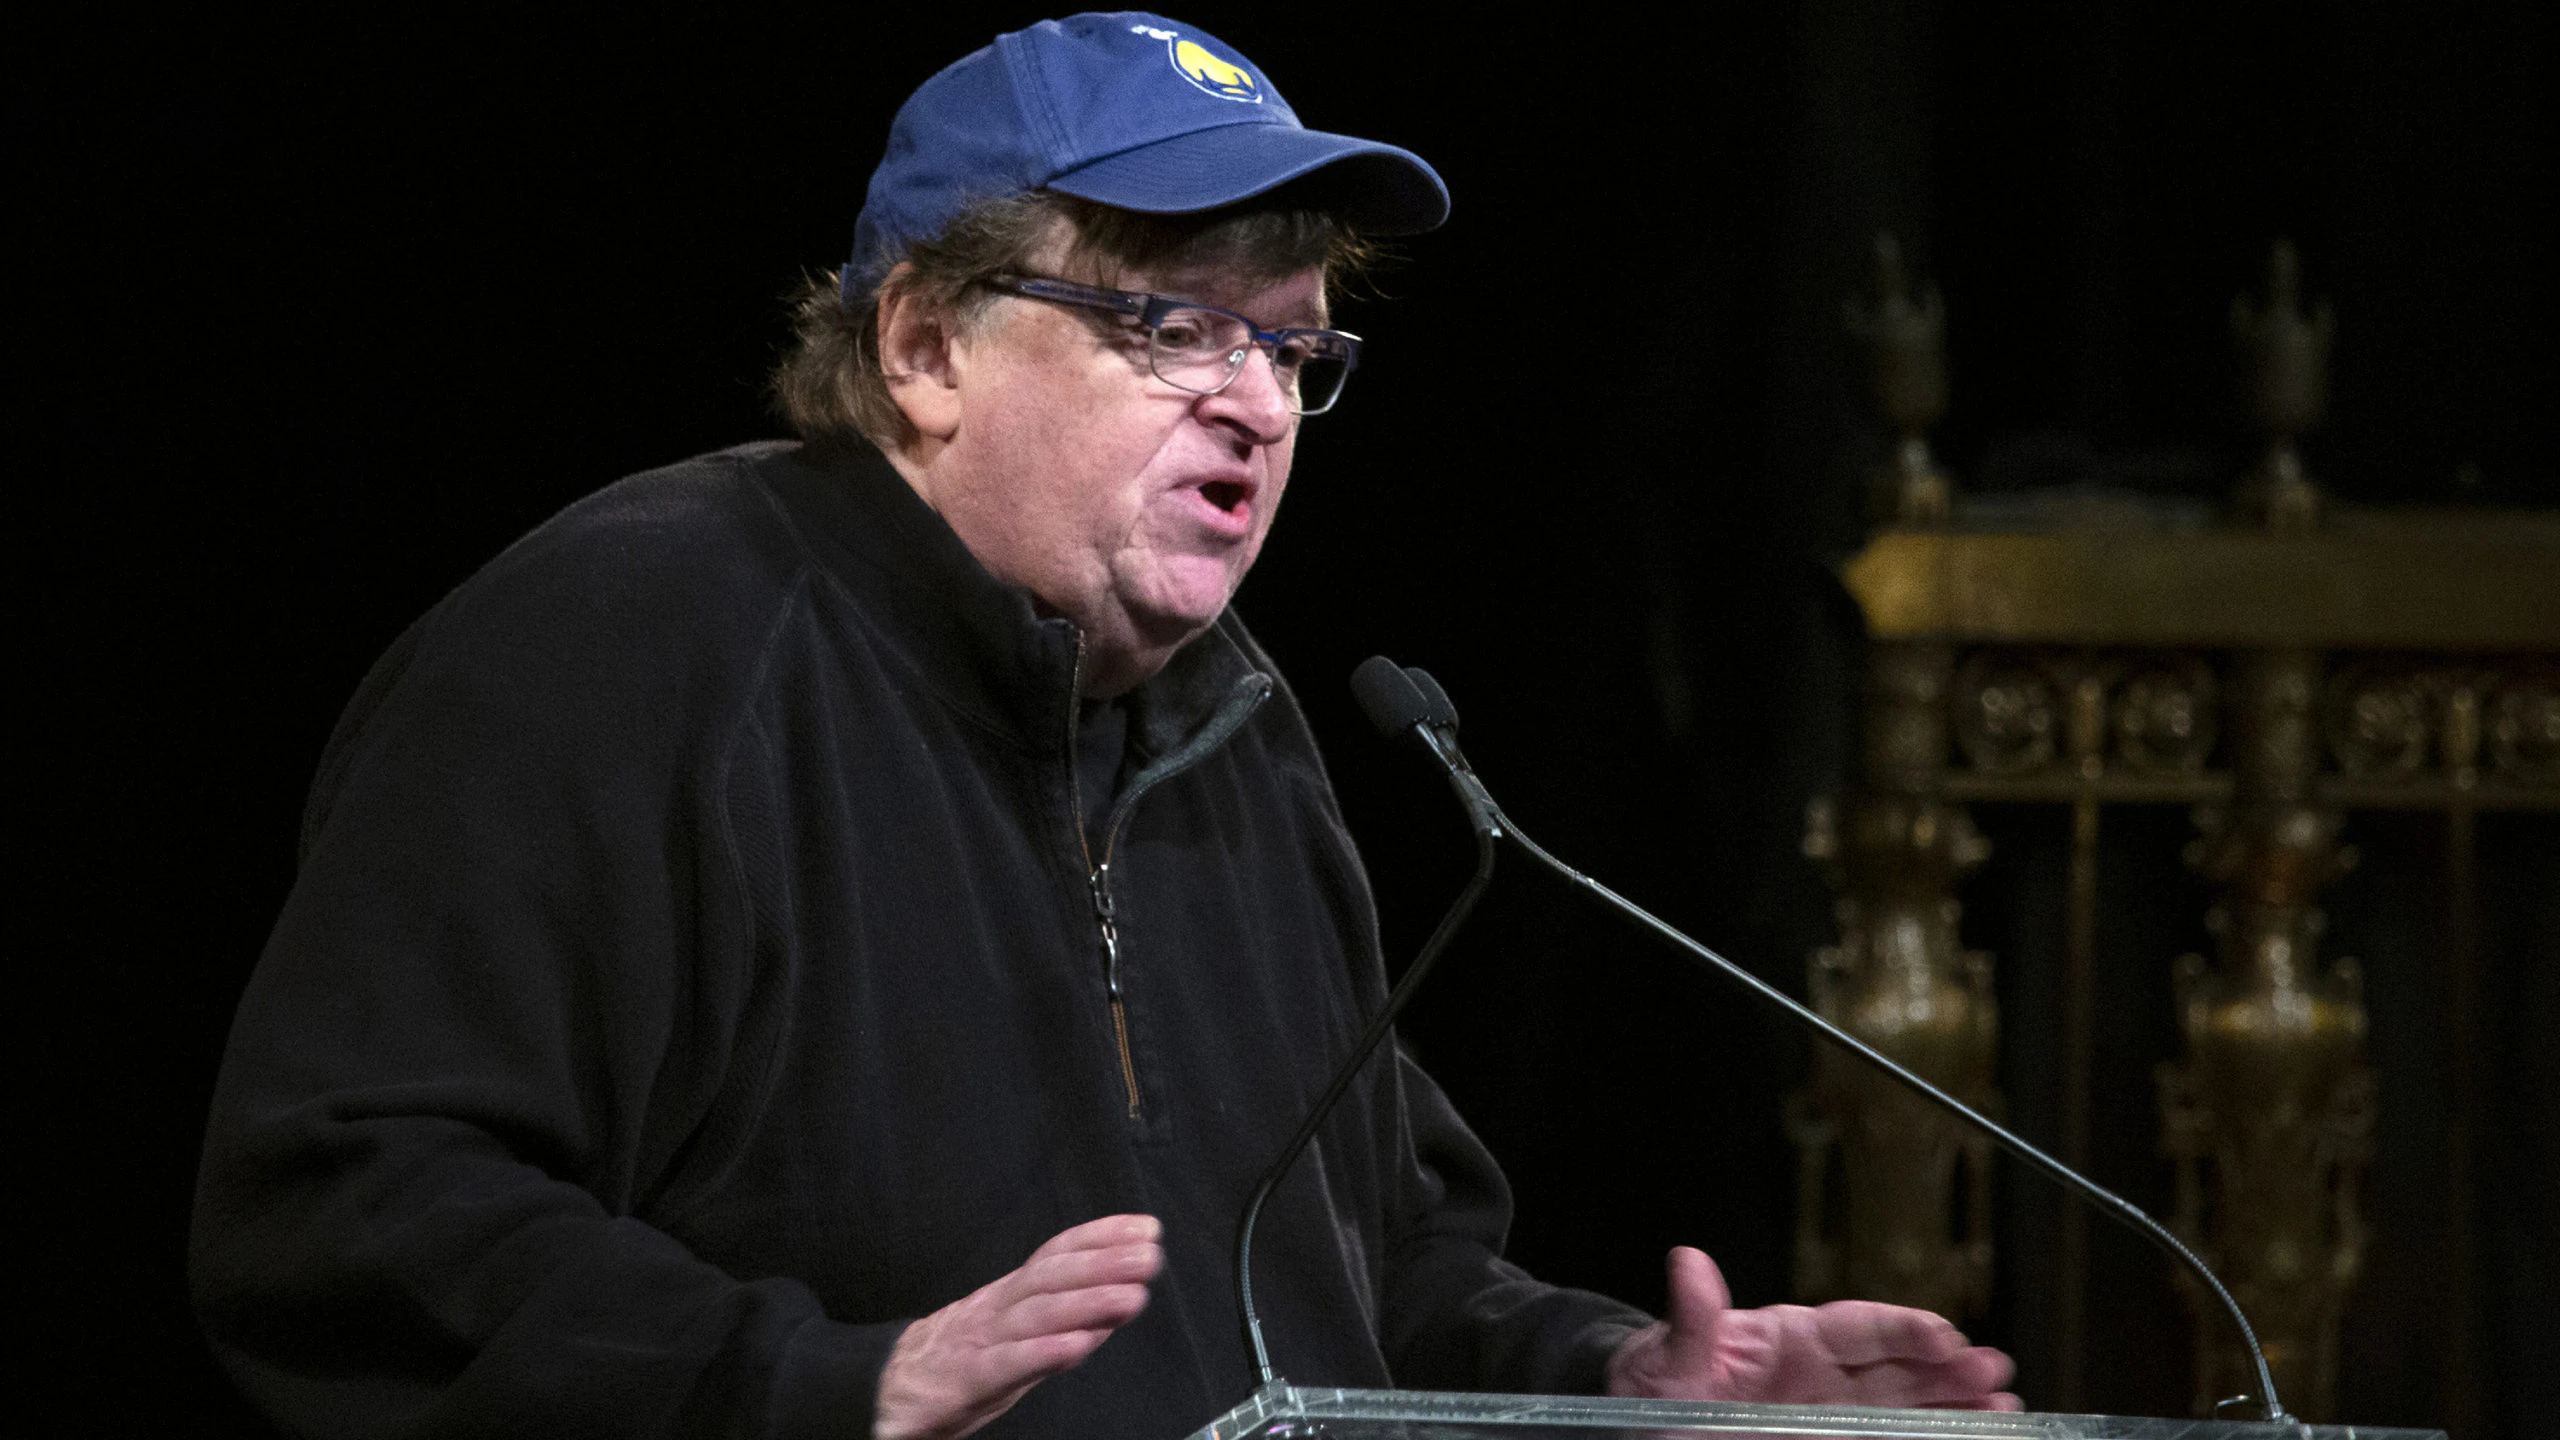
x=1201 y=351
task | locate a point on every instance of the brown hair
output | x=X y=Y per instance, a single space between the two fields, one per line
x=831 y=388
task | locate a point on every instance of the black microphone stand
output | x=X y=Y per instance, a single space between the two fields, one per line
x=1360 y=1051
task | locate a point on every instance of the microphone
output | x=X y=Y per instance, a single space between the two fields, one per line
x=1390 y=697
x=1406 y=701
x=1441 y=713
x=1422 y=716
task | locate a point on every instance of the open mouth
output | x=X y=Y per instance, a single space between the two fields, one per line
x=1227 y=495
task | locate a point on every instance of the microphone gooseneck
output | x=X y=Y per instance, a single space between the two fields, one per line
x=2125 y=1211
x=1396 y=707
x=1419 y=707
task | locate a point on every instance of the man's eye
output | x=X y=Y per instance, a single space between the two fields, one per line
x=1291 y=353
x=1184 y=333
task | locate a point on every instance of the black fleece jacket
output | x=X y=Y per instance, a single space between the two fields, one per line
x=694 y=973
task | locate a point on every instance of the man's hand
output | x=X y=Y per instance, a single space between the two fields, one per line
x=966 y=1363
x=1855 y=1352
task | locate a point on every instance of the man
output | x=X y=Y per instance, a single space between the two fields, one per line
x=820 y=940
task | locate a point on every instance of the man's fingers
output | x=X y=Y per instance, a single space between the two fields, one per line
x=1077 y=1269
x=968 y=1362
x=1099 y=1308
x=963 y=1386
x=1974 y=1376
x=1102 y=1234
x=1971 y=1379
x=1091 y=1277
x=1002 y=1372
x=1998 y=1400
x=989 y=1381
x=1864 y=1332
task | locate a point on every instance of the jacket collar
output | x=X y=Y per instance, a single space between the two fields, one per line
x=976 y=640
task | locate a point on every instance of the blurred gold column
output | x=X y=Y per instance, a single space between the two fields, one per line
x=1894 y=1198
x=2269 y=1114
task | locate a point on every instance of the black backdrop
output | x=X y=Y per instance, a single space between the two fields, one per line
x=320 y=314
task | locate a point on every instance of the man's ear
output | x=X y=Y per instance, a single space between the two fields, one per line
x=917 y=360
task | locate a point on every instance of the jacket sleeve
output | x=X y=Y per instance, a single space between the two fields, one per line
x=503 y=994
x=1458 y=1316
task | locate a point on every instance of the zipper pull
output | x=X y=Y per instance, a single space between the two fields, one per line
x=1103 y=915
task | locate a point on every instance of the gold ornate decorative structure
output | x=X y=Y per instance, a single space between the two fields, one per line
x=1906 y=338
x=1898 y=980
x=2285 y=352
x=2271 y=1109
x=2276 y=675
x=1908 y=1216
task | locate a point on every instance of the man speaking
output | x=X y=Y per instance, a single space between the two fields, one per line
x=821 y=939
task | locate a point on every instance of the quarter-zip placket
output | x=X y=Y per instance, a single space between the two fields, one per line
x=1098 y=890
x=1105 y=920
x=1248 y=694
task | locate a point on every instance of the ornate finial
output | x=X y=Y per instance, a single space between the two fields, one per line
x=1907 y=355
x=2284 y=359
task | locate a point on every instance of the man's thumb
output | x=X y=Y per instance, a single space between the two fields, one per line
x=1699 y=1300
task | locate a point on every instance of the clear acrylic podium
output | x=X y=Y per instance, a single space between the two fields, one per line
x=1304 y=1412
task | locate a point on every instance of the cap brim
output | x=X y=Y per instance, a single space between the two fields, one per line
x=1377 y=189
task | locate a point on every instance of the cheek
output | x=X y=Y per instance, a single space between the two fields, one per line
x=1058 y=456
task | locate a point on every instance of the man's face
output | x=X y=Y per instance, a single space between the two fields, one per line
x=1131 y=507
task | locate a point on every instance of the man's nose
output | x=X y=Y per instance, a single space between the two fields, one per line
x=1256 y=401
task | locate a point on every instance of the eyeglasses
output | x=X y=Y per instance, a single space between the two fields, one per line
x=1201 y=348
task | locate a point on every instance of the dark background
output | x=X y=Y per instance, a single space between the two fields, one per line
x=321 y=314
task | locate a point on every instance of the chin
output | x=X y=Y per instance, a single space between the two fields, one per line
x=1172 y=629
x=1185 y=602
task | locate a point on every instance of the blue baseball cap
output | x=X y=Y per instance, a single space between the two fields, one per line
x=1128 y=109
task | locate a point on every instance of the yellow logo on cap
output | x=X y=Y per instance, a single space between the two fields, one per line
x=1213 y=74
x=1208 y=72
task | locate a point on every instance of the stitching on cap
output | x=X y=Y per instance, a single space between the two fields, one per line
x=1031 y=92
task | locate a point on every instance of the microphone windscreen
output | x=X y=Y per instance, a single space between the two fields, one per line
x=1388 y=697
x=1439 y=709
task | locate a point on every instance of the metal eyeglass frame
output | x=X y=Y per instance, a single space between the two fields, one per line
x=1150 y=310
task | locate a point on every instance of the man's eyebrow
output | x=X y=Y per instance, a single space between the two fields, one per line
x=1311 y=317
x=1314 y=315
